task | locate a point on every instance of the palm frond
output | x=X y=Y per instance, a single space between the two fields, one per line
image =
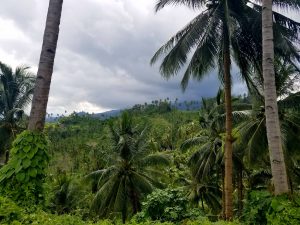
x=290 y=102
x=190 y=3
x=157 y=159
x=194 y=141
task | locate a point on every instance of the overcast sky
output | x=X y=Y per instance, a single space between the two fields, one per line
x=103 y=53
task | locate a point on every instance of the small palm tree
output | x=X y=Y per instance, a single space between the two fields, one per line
x=16 y=89
x=132 y=174
x=66 y=194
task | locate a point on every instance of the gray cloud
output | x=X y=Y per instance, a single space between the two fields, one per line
x=103 y=52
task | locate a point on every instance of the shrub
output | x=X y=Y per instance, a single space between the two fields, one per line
x=9 y=211
x=167 y=205
x=262 y=208
x=284 y=211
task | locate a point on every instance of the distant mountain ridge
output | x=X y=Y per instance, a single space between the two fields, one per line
x=184 y=106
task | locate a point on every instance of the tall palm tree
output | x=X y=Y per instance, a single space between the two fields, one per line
x=133 y=172
x=271 y=109
x=45 y=69
x=16 y=89
x=207 y=163
x=210 y=34
x=253 y=131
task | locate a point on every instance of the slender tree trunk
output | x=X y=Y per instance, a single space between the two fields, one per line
x=228 y=123
x=223 y=193
x=135 y=201
x=240 y=188
x=271 y=110
x=44 y=74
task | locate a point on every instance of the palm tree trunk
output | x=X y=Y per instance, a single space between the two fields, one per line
x=240 y=190
x=228 y=123
x=136 y=205
x=223 y=193
x=44 y=74
x=271 y=110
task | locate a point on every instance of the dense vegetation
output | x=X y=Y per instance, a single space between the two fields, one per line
x=105 y=169
x=236 y=158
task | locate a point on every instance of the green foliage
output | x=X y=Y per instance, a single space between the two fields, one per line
x=205 y=221
x=262 y=208
x=16 y=89
x=66 y=195
x=167 y=205
x=284 y=211
x=23 y=176
x=9 y=211
x=257 y=205
x=132 y=173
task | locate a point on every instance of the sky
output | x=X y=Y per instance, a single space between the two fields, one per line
x=103 y=53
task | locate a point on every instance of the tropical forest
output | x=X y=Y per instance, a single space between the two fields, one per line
x=224 y=159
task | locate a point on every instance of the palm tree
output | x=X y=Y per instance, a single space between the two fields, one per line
x=253 y=131
x=210 y=34
x=207 y=162
x=16 y=89
x=132 y=173
x=271 y=109
x=45 y=69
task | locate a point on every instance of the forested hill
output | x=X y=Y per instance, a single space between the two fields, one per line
x=155 y=106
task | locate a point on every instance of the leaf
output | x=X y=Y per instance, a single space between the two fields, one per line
x=29 y=138
x=30 y=154
x=41 y=146
x=20 y=176
x=26 y=163
x=27 y=148
x=32 y=172
x=276 y=205
x=18 y=166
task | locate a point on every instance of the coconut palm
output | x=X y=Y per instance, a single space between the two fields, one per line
x=208 y=192
x=132 y=174
x=207 y=162
x=271 y=109
x=253 y=130
x=45 y=69
x=16 y=89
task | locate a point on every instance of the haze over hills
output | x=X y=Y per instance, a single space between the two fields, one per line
x=184 y=106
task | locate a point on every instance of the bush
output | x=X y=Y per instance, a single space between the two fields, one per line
x=12 y=214
x=22 y=177
x=284 y=211
x=167 y=205
x=262 y=208
x=9 y=211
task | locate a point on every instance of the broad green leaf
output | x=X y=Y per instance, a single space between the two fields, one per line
x=30 y=154
x=29 y=138
x=20 y=176
x=32 y=172
x=277 y=206
x=26 y=163
x=27 y=148
x=18 y=166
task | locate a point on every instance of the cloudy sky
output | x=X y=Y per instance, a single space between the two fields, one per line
x=103 y=54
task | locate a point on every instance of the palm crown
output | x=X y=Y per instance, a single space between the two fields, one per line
x=16 y=89
x=133 y=172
